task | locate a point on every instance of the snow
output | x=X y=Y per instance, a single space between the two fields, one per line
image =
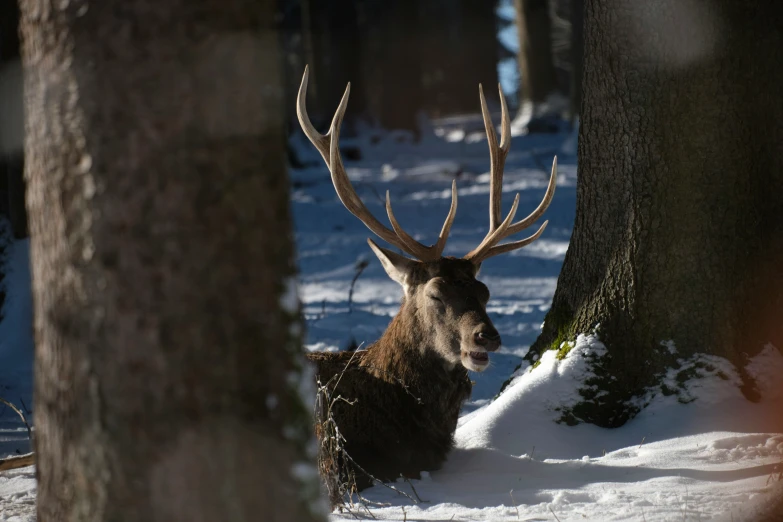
x=17 y=487
x=692 y=454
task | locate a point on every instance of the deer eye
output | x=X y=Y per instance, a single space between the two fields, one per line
x=435 y=298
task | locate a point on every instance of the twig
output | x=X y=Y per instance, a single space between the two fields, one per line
x=404 y=514
x=19 y=461
x=373 y=503
x=364 y=502
x=406 y=479
x=400 y=381
x=360 y=266
x=350 y=512
x=514 y=502
x=24 y=406
x=553 y=513
x=373 y=190
x=21 y=415
x=640 y=445
x=345 y=454
x=531 y=452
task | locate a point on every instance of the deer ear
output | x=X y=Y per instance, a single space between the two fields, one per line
x=398 y=267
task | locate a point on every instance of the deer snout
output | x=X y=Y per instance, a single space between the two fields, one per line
x=487 y=338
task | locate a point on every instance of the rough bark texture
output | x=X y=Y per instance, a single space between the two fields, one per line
x=679 y=227
x=536 y=66
x=165 y=359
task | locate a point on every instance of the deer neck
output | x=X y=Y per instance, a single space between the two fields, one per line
x=406 y=349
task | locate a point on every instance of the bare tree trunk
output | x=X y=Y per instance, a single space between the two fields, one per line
x=678 y=234
x=536 y=66
x=335 y=54
x=577 y=55
x=11 y=121
x=166 y=324
x=459 y=50
x=392 y=39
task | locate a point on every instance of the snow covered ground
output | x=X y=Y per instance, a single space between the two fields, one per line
x=687 y=456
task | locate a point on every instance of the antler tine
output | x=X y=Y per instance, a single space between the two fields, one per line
x=493 y=237
x=329 y=147
x=320 y=141
x=414 y=247
x=539 y=211
x=497 y=232
x=489 y=247
x=444 y=232
x=497 y=155
x=508 y=247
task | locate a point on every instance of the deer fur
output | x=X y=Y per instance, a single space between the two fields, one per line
x=403 y=394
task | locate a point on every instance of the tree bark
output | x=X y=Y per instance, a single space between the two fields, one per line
x=536 y=65
x=678 y=234
x=166 y=324
x=577 y=56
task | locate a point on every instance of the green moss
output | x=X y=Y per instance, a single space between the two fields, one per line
x=559 y=319
x=565 y=347
x=558 y=329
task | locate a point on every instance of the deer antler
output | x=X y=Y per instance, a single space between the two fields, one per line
x=497 y=154
x=328 y=146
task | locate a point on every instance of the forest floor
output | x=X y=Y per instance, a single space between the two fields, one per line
x=692 y=455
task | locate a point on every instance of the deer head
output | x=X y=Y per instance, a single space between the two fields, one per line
x=441 y=294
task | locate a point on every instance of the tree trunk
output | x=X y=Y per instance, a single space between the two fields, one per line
x=334 y=52
x=166 y=325
x=577 y=56
x=536 y=66
x=678 y=234
x=11 y=121
x=392 y=71
x=459 y=50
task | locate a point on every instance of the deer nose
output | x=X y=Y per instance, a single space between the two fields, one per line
x=487 y=339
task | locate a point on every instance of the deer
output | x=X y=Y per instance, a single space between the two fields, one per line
x=391 y=410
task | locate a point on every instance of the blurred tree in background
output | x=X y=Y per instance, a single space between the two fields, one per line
x=536 y=61
x=11 y=121
x=402 y=58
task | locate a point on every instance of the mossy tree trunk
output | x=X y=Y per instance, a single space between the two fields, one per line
x=167 y=346
x=679 y=227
